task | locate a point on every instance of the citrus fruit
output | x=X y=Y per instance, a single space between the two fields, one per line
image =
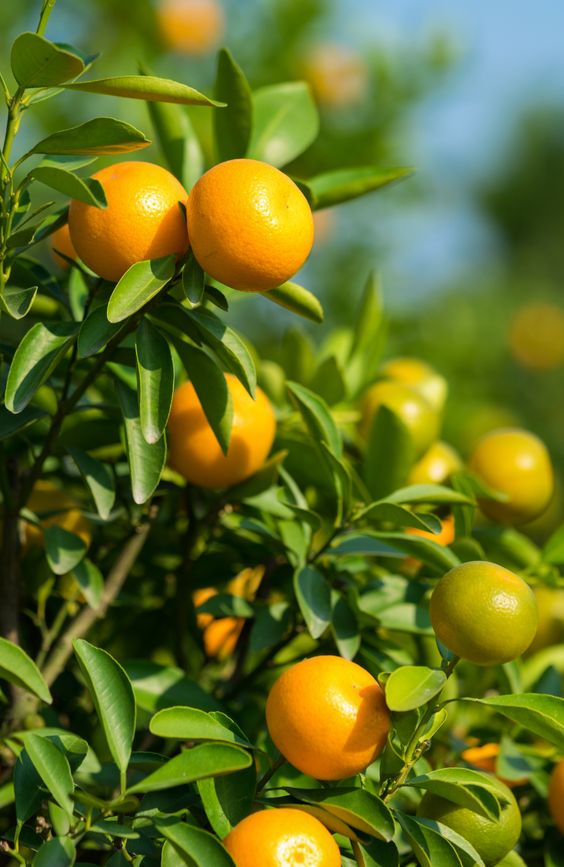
x=550 y=604
x=285 y=837
x=484 y=613
x=143 y=219
x=444 y=537
x=516 y=463
x=193 y=449
x=221 y=635
x=492 y=839
x=556 y=796
x=536 y=336
x=328 y=717
x=485 y=758
x=420 y=376
x=54 y=508
x=436 y=466
x=250 y=226
x=190 y=27
x=512 y=859
x=420 y=419
x=336 y=74
x=60 y=242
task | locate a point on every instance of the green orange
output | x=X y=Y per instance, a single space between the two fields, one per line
x=413 y=410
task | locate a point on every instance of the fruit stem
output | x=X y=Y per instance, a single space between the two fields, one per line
x=276 y=765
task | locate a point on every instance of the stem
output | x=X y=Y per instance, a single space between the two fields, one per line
x=44 y=17
x=9 y=609
x=52 y=634
x=122 y=781
x=276 y=765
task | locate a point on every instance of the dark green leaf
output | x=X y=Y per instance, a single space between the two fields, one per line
x=210 y=385
x=148 y=87
x=193 y=281
x=228 y=346
x=286 y=122
x=103 y=135
x=232 y=126
x=38 y=354
x=58 y=852
x=90 y=581
x=199 y=846
x=155 y=375
x=141 y=282
x=358 y=808
x=95 y=332
x=17 y=667
x=429 y=843
x=332 y=188
x=11 y=424
x=146 y=462
x=294 y=297
x=99 y=479
x=313 y=595
x=345 y=627
x=53 y=768
x=227 y=800
x=36 y=62
x=28 y=788
x=156 y=686
x=63 y=549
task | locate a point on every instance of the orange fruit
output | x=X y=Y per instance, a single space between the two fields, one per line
x=444 y=537
x=436 y=466
x=536 y=336
x=54 y=508
x=337 y=75
x=491 y=838
x=328 y=717
x=250 y=226
x=190 y=27
x=516 y=463
x=418 y=416
x=285 y=837
x=222 y=634
x=143 y=219
x=193 y=449
x=484 y=613
x=60 y=242
x=420 y=376
x=556 y=796
x=485 y=758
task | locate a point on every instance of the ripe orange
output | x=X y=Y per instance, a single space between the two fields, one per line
x=484 y=613
x=536 y=336
x=436 y=466
x=420 y=376
x=191 y=27
x=285 y=837
x=516 y=463
x=556 y=796
x=419 y=417
x=143 y=219
x=54 y=508
x=250 y=226
x=485 y=758
x=491 y=838
x=337 y=75
x=328 y=717
x=60 y=242
x=193 y=449
x=221 y=635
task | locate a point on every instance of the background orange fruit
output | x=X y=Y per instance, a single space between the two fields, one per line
x=337 y=75
x=221 y=634
x=418 y=416
x=193 y=449
x=328 y=717
x=536 y=336
x=190 y=27
x=60 y=241
x=516 y=463
x=284 y=837
x=556 y=795
x=54 y=508
x=420 y=376
x=250 y=226
x=484 y=613
x=143 y=219
x=485 y=758
x=436 y=466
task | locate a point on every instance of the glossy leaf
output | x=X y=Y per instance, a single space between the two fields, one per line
x=99 y=479
x=358 y=808
x=112 y=694
x=86 y=190
x=155 y=375
x=332 y=188
x=210 y=385
x=462 y=786
x=317 y=417
x=29 y=790
x=148 y=87
x=294 y=297
x=141 y=282
x=193 y=281
x=227 y=800
x=17 y=301
x=542 y=715
x=98 y=137
x=431 y=848
x=412 y=686
x=228 y=346
x=38 y=354
x=191 y=724
x=232 y=125
x=146 y=462
x=197 y=763
x=177 y=141
x=199 y=846
x=17 y=667
x=63 y=549
x=53 y=768
x=313 y=595
x=286 y=122
x=90 y=581
x=58 y=852
x=430 y=494
x=345 y=627
x=36 y=62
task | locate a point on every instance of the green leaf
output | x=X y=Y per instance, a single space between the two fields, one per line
x=17 y=667
x=468 y=788
x=146 y=462
x=193 y=281
x=345 y=627
x=210 y=385
x=412 y=686
x=156 y=686
x=332 y=188
x=317 y=417
x=36 y=62
x=389 y=453
x=28 y=788
x=53 y=768
x=58 y=852
x=99 y=479
x=95 y=332
x=148 y=87
x=294 y=297
x=286 y=122
x=197 y=763
x=197 y=845
x=191 y=724
x=177 y=141
x=430 y=494
x=430 y=846
x=313 y=595
x=73 y=747
x=227 y=800
x=112 y=694
x=38 y=354
x=358 y=808
x=155 y=375
x=89 y=190
x=11 y=424
x=384 y=511
x=233 y=125
x=141 y=282
x=17 y=301
x=553 y=551
x=542 y=715
x=228 y=346
x=90 y=581
x=63 y=549
x=370 y=315
x=103 y=135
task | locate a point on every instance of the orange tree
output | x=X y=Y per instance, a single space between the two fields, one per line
x=265 y=650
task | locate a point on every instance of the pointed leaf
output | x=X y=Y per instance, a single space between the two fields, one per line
x=58 y=852
x=286 y=122
x=389 y=453
x=542 y=715
x=11 y=424
x=210 y=385
x=155 y=374
x=193 y=281
x=195 y=844
x=191 y=724
x=148 y=87
x=146 y=462
x=103 y=135
x=38 y=354
x=359 y=809
x=197 y=763
x=53 y=768
x=17 y=667
x=317 y=417
x=313 y=595
x=232 y=126
x=294 y=297
x=138 y=285
x=332 y=188
x=95 y=332
x=90 y=581
x=99 y=480
x=228 y=346
x=17 y=301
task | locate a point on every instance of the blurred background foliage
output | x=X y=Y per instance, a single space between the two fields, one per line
x=470 y=248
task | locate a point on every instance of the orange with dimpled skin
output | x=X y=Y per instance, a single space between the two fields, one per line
x=284 y=837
